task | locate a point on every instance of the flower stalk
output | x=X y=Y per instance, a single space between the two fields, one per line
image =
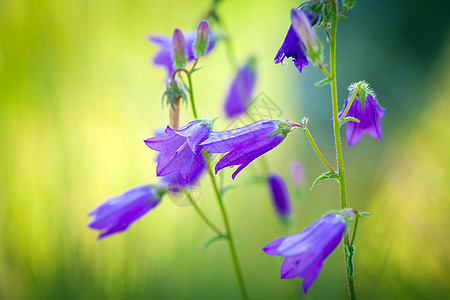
x=219 y=198
x=337 y=138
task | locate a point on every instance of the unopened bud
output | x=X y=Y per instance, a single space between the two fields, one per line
x=179 y=57
x=202 y=39
x=302 y=26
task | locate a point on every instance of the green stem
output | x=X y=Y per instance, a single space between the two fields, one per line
x=337 y=138
x=201 y=214
x=191 y=95
x=316 y=149
x=227 y=228
x=229 y=235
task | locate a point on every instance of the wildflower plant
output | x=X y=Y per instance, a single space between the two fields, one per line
x=184 y=152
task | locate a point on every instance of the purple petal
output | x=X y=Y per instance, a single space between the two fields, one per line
x=272 y=247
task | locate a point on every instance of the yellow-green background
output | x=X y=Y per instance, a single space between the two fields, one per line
x=78 y=95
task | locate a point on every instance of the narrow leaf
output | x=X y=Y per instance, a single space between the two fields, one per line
x=196 y=69
x=324 y=81
x=327 y=175
x=211 y=240
x=226 y=188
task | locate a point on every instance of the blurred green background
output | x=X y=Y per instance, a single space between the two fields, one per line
x=78 y=95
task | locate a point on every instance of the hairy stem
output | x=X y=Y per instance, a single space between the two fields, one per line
x=337 y=138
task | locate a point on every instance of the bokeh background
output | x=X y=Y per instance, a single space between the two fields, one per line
x=78 y=95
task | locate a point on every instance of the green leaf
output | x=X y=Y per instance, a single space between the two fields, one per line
x=324 y=81
x=211 y=240
x=324 y=176
x=196 y=69
x=347 y=119
x=226 y=188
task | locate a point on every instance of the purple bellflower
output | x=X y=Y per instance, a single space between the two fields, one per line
x=280 y=195
x=164 y=56
x=369 y=117
x=117 y=213
x=305 y=252
x=246 y=143
x=179 y=149
x=174 y=181
x=241 y=90
x=292 y=47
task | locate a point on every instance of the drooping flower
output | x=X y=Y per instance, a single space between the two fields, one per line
x=179 y=148
x=296 y=173
x=369 y=117
x=164 y=56
x=241 y=90
x=305 y=252
x=280 y=195
x=292 y=47
x=117 y=213
x=246 y=143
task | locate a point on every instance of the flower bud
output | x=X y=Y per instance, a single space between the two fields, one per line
x=179 y=56
x=202 y=39
x=302 y=26
x=280 y=195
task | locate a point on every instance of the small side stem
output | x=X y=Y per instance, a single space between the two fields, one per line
x=316 y=149
x=201 y=214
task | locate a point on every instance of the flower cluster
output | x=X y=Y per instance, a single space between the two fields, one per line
x=183 y=153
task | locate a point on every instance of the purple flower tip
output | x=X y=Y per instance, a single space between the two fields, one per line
x=179 y=149
x=280 y=195
x=305 y=252
x=117 y=213
x=369 y=118
x=244 y=144
x=241 y=90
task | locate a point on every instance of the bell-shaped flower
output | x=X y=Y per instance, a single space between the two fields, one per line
x=179 y=148
x=240 y=92
x=292 y=47
x=369 y=118
x=246 y=143
x=305 y=252
x=279 y=195
x=117 y=213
